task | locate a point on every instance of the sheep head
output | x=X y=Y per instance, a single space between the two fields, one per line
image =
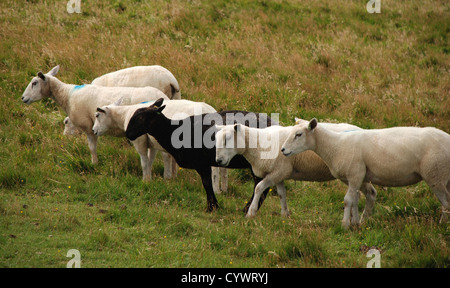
x=300 y=139
x=229 y=142
x=102 y=121
x=69 y=128
x=39 y=87
x=144 y=120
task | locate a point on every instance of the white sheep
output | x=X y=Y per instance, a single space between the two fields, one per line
x=70 y=129
x=399 y=156
x=81 y=101
x=113 y=119
x=138 y=76
x=142 y=76
x=261 y=148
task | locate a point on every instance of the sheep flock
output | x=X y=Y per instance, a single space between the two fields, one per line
x=145 y=105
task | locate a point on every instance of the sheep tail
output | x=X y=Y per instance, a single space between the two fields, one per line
x=176 y=94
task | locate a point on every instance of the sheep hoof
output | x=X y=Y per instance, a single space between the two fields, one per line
x=286 y=214
x=212 y=207
x=346 y=225
x=444 y=216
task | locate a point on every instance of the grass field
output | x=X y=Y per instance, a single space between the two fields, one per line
x=326 y=59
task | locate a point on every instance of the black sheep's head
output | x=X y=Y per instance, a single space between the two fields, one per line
x=144 y=120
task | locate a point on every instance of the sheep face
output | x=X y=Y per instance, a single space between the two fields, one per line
x=229 y=142
x=39 y=87
x=300 y=139
x=69 y=128
x=144 y=120
x=37 y=90
x=103 y=121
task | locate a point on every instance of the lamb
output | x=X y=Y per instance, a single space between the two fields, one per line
x=260 y=147
x=69 y=128
x=393 y=157
x=196 y=149
x=80 y=101
x=113 y=119
x=142 y=76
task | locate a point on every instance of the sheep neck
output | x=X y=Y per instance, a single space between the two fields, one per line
x=250 y=153
x=162 y=130
x=120 y=117
x=60 y=92
x=326 y=145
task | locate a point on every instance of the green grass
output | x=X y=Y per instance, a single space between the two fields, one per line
x=330 y=60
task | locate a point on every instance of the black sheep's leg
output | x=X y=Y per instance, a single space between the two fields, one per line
x=211 y=200
x=263 y=196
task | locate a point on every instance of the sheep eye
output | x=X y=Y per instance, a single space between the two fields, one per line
x=298 y=135
x=34 y=83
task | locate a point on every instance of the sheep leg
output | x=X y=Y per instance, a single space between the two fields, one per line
x=92 y=143
x=351 y=200
x=259 y=189
x=444 y=197
x=146 y=164
x=174 y=167
x=215 y=179
x=371 y=196
x=167 y=165
x=263 y=196
x=205 y=174
x=281 y=189
x=151 y=158
x=223 y=179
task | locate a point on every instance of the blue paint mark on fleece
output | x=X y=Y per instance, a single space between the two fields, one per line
x=147 y=102
x=350 y=130
x=78 y=87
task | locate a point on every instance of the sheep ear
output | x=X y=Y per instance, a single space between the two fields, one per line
x=312 y=124
x=160 y=109
x=42 y=76
x=101 y=110
x=158 y=102
x=118 y=102
x=54 y=71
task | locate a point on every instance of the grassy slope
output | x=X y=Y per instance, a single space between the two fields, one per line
x=330 y=60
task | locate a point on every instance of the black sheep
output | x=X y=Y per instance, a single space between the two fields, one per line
x=195 y=155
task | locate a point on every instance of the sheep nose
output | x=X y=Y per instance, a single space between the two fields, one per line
x=282 y=149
